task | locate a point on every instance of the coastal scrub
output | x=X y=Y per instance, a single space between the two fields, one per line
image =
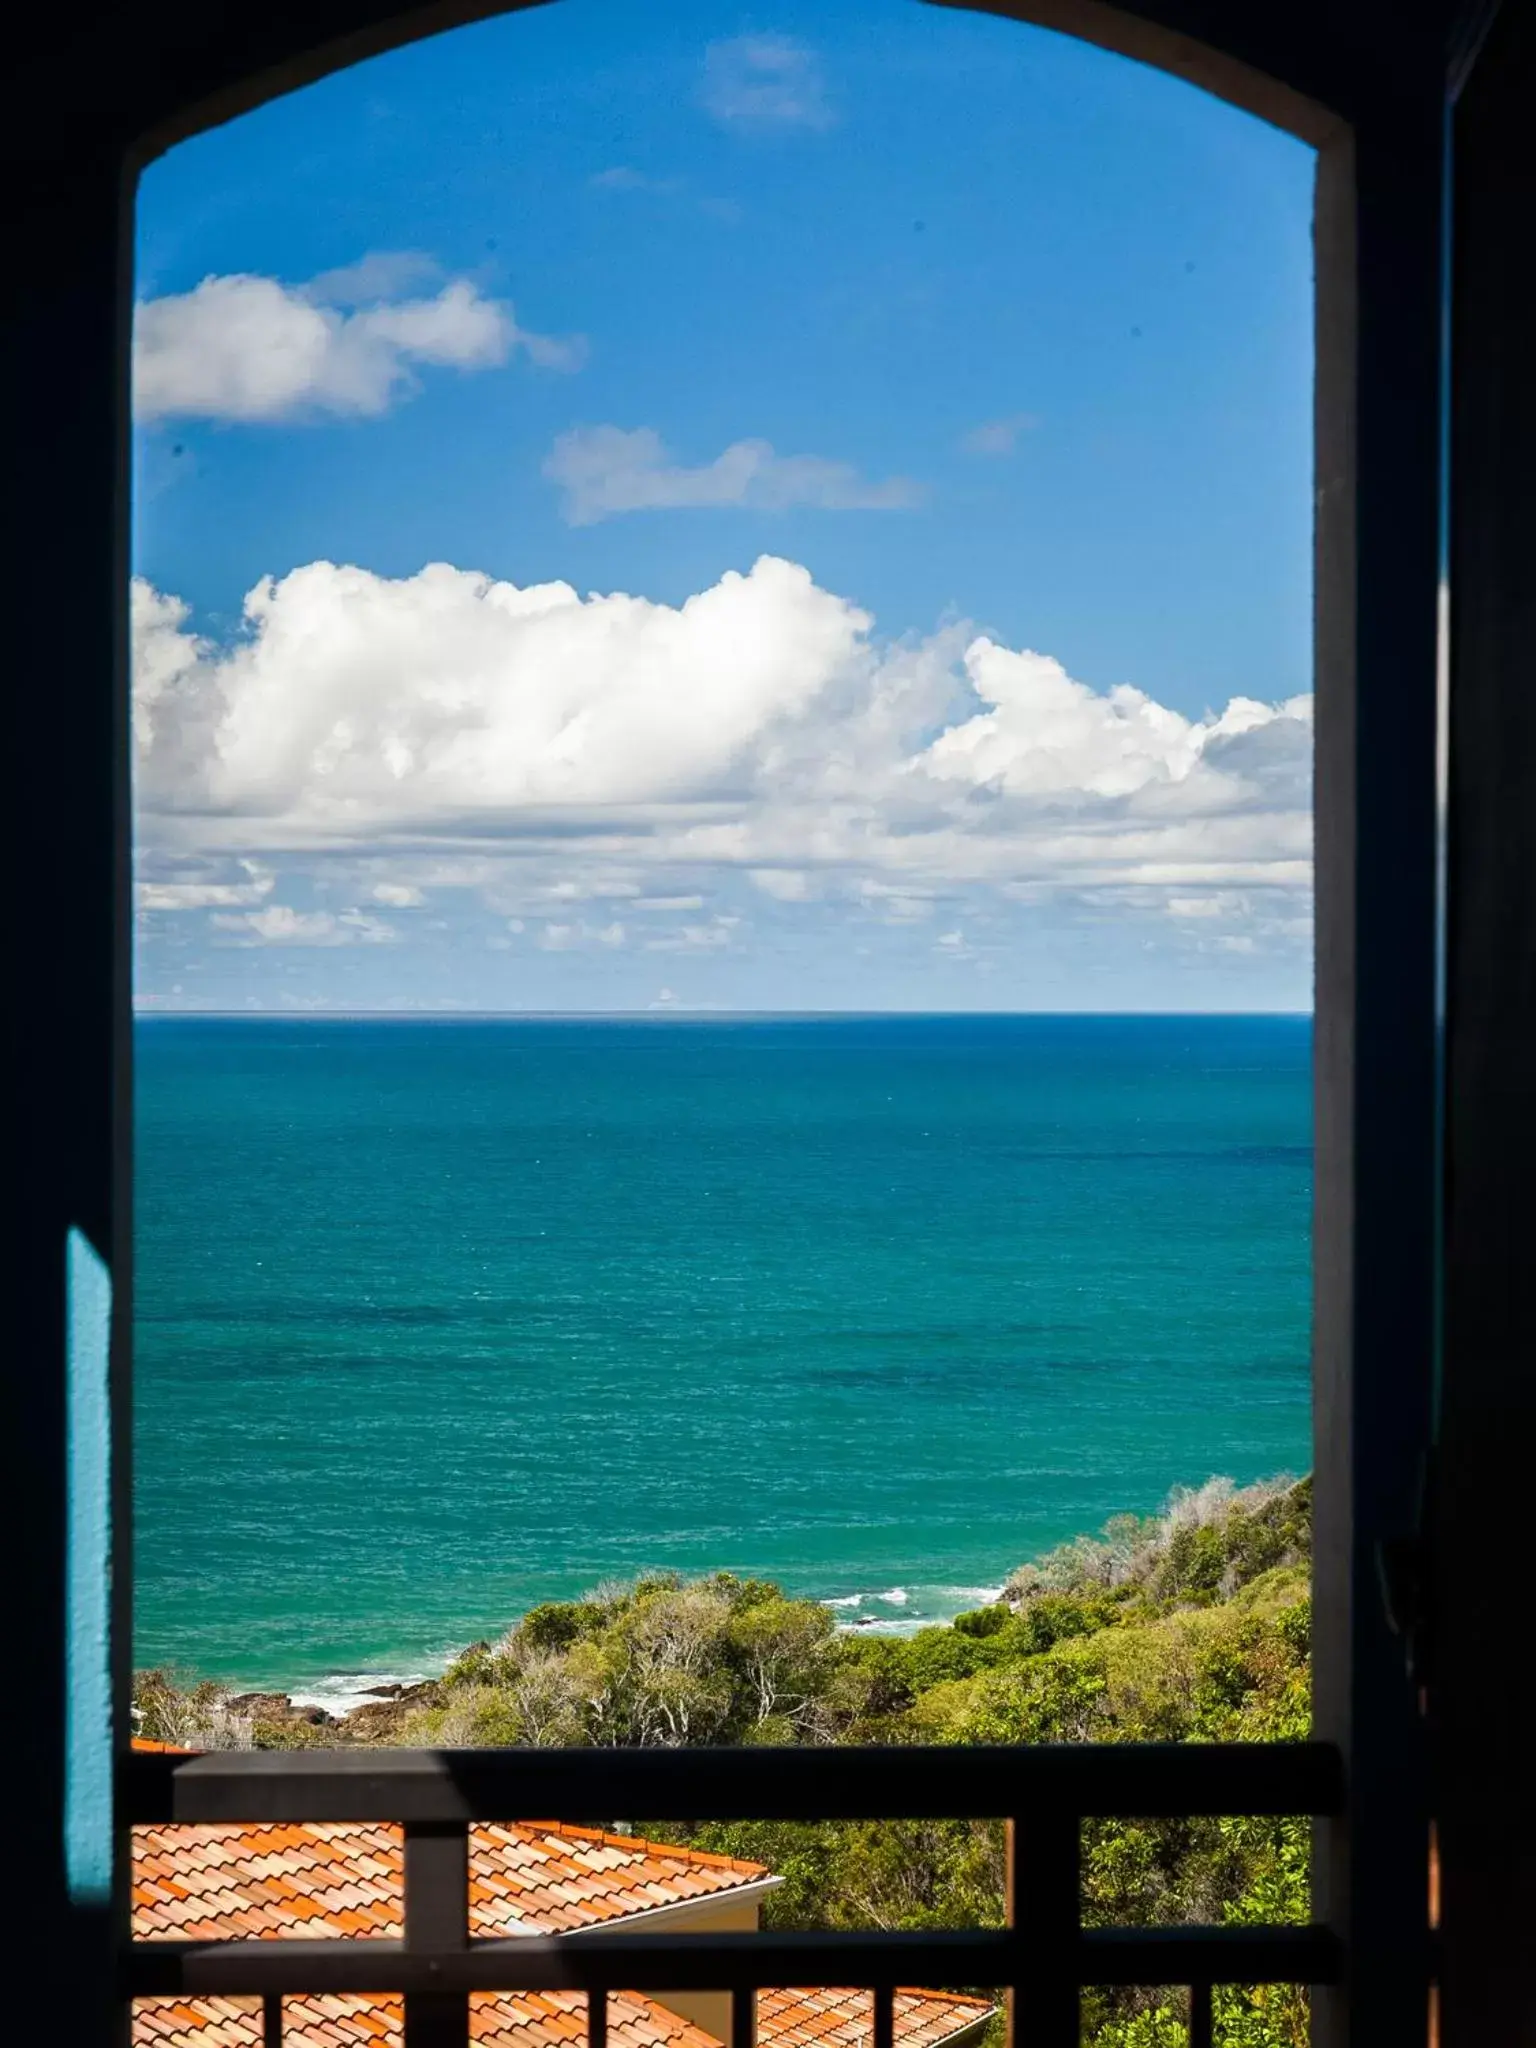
x=1192 y=1626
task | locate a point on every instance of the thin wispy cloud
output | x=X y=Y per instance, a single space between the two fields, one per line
x=251 y=349
x=762 y=83
x=998 y=437
x=624 y=178
x=381 y=274
x=577 y=937
x=607 y=470
x=281 y=925
x=195 y=892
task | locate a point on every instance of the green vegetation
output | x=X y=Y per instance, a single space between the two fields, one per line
x=1192 y=1626
x=187 y=1713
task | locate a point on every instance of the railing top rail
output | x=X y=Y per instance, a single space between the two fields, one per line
x=1132 y=1780
x=637 y=1962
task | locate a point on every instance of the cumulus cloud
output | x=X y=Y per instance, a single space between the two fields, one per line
x=541 y=752
x=605 y=470
x=355 y=703
x=1044 y=735
x=759 y=83
x=249 y=348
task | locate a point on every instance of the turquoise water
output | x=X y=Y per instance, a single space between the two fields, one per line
x=439 y=1319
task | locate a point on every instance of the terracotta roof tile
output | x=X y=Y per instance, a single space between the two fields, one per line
x=341 y=1879
x=554 y=2019
x=833 y=2018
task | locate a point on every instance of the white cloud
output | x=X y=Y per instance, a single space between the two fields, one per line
x=280 y=925
x=607 y=470
x=355 y=703
x=381 y=274
x=624 y=178
x=785 y=885
x=1220 y=903
x=179 y=892
x=896 y=903
x=251 y=348
x=1044 y=735
x=541 y=752
x=566 y=938
x=759 y=83
x=695 y=938
x=998 y=437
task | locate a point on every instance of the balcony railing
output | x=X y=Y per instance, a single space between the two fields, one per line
x=1045 y=1956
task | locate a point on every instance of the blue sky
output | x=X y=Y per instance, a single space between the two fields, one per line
x=996 y=347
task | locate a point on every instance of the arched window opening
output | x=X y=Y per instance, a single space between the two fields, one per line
x=723 y=721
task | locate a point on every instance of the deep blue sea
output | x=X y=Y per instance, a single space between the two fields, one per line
x=436 y=1320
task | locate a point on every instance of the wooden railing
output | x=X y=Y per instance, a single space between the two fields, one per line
x=1044 y=1957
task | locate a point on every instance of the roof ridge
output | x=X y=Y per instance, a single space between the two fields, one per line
x=610 y=1838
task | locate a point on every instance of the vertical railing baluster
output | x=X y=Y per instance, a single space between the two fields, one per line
x=436 y=1922
x=743 y=2018
x=885 y=2017
x=1010 y=1921
x=597 y=2019
x=1201 y=2020
x=272 y=2020
x=1044 y=1907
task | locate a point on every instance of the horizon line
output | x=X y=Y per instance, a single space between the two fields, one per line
x=652 y=1013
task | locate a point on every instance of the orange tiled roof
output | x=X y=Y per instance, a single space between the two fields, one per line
x=337 y=1879
x=843 y=2019
x=527 y=2019
x=317 y=1878
x=553 y=2019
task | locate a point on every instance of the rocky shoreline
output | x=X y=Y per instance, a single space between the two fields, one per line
x=278 y=1722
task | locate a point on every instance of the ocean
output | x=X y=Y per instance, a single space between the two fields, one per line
x=439 y=1319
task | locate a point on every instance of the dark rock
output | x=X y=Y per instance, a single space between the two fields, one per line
x=262 y=1706
x=381 y=1719
x=278 y=1707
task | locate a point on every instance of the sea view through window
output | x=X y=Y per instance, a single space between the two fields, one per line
x=721 y=638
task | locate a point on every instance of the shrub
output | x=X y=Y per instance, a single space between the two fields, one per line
x=1190 y=1626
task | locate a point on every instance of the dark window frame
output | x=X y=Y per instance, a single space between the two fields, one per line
x=1376 y=87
